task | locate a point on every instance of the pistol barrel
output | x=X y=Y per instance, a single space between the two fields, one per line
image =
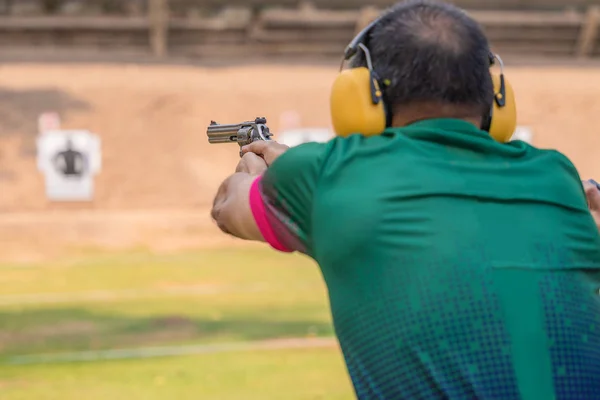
x=222 y=133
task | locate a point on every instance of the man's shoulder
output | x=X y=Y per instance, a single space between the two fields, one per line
x=300 y=156
x=313 y=153
x=547 y=156
x=551 y=175
x=304 y=161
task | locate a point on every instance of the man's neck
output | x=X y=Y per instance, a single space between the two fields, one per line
x=419 y=112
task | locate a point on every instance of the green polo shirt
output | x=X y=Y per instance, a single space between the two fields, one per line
x=457 y=267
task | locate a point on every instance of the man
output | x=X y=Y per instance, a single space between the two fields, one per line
x=457 y=267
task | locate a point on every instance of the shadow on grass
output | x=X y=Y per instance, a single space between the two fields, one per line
x=75 y=329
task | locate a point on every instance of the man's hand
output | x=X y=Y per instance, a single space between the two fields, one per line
x=251 y=164
x=269 y=150
x=592 y=193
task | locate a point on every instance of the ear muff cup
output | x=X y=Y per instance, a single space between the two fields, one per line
x=503 y=118
x=352 y=107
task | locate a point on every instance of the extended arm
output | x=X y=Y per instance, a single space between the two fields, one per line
x=271 y=205
x=231 y=207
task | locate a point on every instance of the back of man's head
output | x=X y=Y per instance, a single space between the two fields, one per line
x=432 y=54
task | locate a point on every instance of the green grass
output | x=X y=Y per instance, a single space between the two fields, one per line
x=136 y=299
x=289 y=375
x=140 y=270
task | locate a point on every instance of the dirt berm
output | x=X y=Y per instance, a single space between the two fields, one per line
x=152 y=121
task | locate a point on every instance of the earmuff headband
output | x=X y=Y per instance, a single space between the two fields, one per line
x=352 y=49
x=359 y=39
x=500 y=97
x=375 y=85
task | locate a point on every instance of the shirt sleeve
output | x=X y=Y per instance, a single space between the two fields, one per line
x=282 y=198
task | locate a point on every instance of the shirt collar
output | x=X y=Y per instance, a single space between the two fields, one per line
x=446 y=125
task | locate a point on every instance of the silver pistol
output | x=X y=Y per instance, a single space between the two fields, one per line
x=242 y=134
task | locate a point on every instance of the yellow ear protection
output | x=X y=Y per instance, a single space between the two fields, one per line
x=356 y=101
x=501 y=121
x=358 y=106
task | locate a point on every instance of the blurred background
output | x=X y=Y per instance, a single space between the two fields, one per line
x=114 y=282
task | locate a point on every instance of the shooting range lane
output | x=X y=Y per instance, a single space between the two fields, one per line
x=152 y=123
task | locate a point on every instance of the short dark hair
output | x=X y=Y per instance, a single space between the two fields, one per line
x=431 y=51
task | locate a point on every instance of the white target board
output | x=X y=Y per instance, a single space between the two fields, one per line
x=69 y=160
x=295 y=137
x=523 y=133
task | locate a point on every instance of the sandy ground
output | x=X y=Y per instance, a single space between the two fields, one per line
x=158 y=169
